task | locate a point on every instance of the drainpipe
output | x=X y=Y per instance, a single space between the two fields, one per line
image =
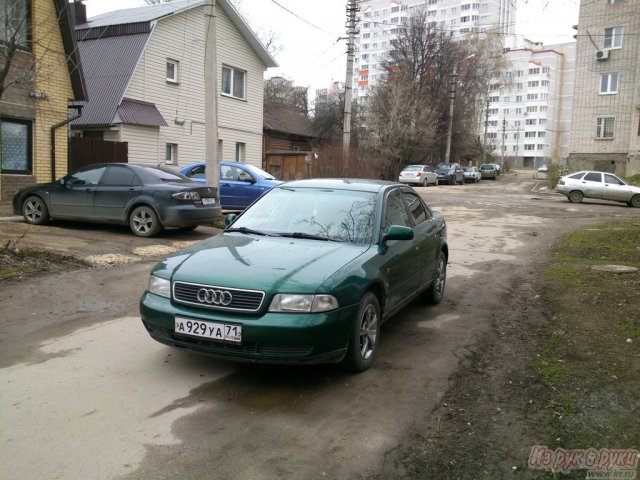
x=53 y=138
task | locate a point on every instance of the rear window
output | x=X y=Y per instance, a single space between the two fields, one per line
x=412 y=168
x=161 y=175
x=487 y=167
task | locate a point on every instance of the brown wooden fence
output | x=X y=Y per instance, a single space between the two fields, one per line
x=84 y=151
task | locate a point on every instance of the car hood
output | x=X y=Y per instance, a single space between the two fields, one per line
x=237 y=260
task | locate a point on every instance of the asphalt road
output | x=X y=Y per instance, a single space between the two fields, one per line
x=87 y=394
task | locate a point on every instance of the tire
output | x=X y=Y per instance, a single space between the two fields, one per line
x=144 y=222
x=435 y=184
x=635 y=201
x=34 y=211
x=433 y=295
x=424 y=182
x=364 y=336
x=575 y=196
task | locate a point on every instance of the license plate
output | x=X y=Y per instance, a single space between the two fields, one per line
x=208 y=201
x=216 y=331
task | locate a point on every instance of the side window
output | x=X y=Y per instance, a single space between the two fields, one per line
x=197 y=172
x=86 y=177
x=396 y=213
x=577 y=176
x=417 y=209
x=593 y=177
x=612 y=179
x=119 y=176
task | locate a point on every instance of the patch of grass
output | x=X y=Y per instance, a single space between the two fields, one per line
x=633 y=180
x=588 y=352
x=17 y=263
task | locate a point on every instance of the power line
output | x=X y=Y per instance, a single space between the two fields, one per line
x=303 y=19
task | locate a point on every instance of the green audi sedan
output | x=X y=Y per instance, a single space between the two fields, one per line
x=307 y=274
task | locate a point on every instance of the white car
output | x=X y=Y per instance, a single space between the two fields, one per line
x=543 y=169
x=602 y=185
x=418 y=175
x=472 y=174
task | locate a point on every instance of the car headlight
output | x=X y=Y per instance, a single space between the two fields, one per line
x=291 y=302
x=159 y=286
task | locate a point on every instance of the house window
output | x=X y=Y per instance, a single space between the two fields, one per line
x=613 y=37
x=605 y=127
x=241 y=149
x=14 y=22
x=233 y=82
x=608 y=83
x=16 y=147
x=171 y=155
x=173 y=67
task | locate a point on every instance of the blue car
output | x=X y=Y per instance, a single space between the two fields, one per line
x=240 y=184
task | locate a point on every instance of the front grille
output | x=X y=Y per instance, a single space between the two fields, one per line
x=241 y=301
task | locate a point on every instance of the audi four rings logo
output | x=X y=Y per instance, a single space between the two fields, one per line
x=214 y=297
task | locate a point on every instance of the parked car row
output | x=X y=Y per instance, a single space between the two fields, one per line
x=443 y=173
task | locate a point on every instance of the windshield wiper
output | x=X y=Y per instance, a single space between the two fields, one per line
x=309 y=236
x=248 y=231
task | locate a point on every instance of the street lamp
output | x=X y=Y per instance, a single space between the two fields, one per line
x=452 y=97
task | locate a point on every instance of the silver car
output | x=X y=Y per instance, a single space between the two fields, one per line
x=418 y=175
x=601 y=185
x=472 y=174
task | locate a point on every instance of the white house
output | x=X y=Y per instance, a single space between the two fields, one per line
x=144 y=70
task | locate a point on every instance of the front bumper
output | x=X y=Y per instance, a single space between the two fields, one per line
x=450 y=179
x=277 y=338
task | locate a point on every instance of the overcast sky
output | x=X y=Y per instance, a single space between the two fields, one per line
x=311 y=54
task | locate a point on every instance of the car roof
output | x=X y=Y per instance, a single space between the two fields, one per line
x=359 y=184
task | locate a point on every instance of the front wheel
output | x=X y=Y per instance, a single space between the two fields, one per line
x=363 y=339
x=433 y=295
x=575 y=196
x=34 y=211
x=144 y=222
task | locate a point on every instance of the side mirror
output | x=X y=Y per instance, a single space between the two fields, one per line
x=398 y=232
x=230 y=218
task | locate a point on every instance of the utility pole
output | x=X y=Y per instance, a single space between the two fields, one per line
x=212 y=170
x=486 y=127
x=452 y=98
x=352 y=8
x=502 y=147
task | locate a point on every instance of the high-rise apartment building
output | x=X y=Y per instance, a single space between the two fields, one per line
x=605 y=130
x=378 y=23
x=528 y=113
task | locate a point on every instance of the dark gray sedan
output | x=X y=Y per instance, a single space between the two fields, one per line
x=147 y=198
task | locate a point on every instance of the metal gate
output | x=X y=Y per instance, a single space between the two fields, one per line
x=85 y=151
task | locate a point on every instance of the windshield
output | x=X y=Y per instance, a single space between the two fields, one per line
x=339 y=215
x=444 y=166
x=260 y=173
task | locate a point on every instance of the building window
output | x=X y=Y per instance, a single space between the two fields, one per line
x=518 y=98
x=608 y=83
x=532 y=96
x=613 y=37
x=541 y=134
x=611 y=2
x=16 y=147
x=540 y=146
x=14 y=22
x=518 y=111
x=171 y=155
x=531 y=121
x=529 y=134
x=233 y=82
x=534 y=71
x=241 y=149
x=173 y=67
x=505 y=111
x=532 y=109
x=533 y=83
x=516 y=123
x=605 y=127
x=529 y=146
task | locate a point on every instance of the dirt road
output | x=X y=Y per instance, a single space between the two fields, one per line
x=87 y=394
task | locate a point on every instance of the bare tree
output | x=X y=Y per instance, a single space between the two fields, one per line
x=13 y=38
x=409 y=109
x=280 y=92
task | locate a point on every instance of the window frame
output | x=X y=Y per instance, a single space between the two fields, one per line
x=609 y=77
x=176 y=71
x=171 y=153
x=601 y=127
x=232 y=82
x=29 y=147
x=612 y=37
x=23 y=39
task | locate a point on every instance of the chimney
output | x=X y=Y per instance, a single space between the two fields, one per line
x=80 y=10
